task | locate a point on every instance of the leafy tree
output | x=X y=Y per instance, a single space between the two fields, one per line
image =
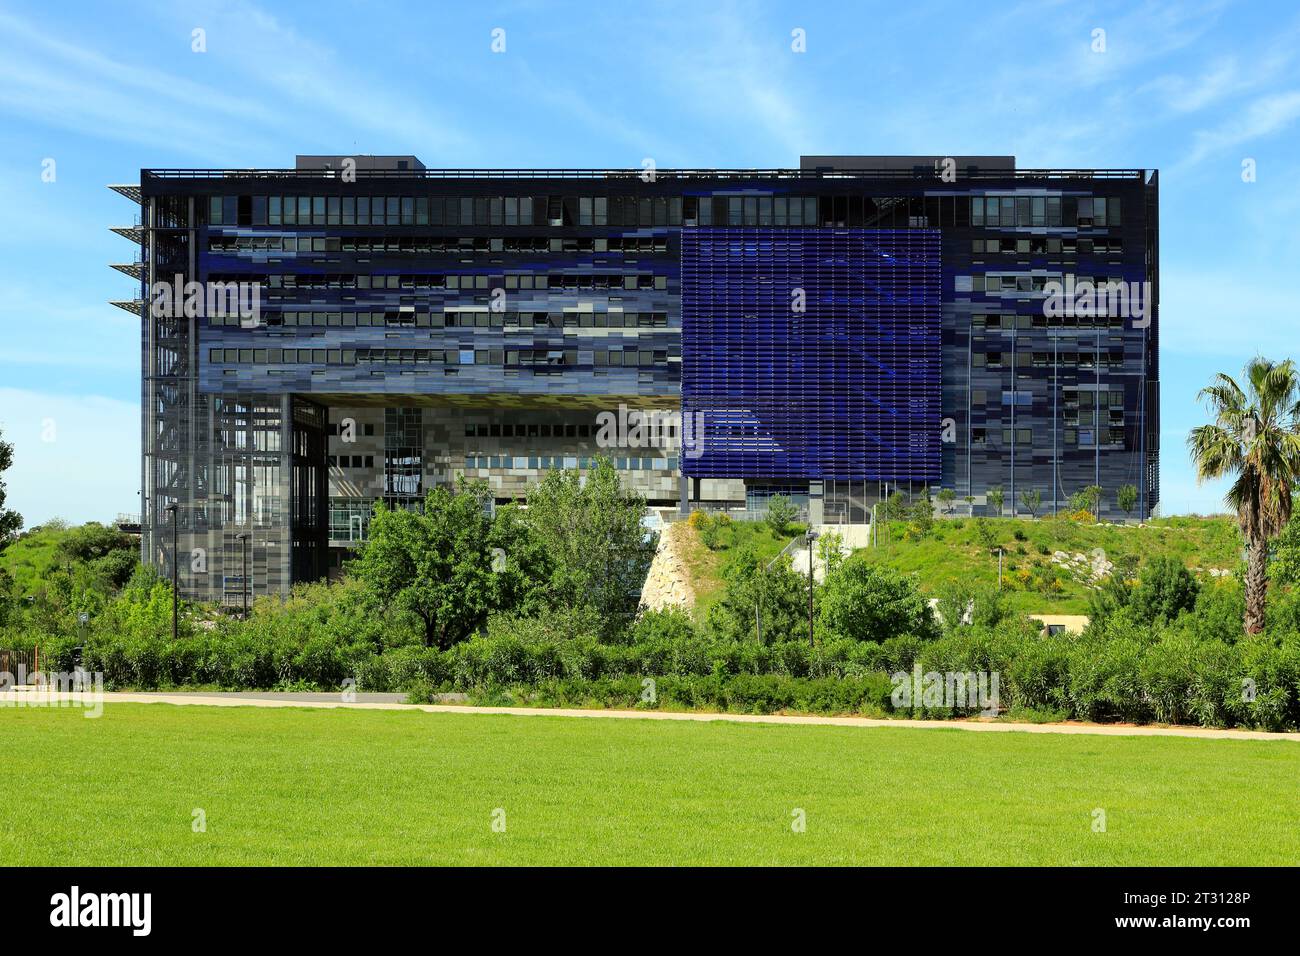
x=106 y=550
x=1284 y=555
x=522 y=566
x=1255 y=438
x=894 y=507
x=778 y=596
x=117 y=566
x=10 y=521
x=986 y=533
x=780 y=512
x=1127 y=498
x=1087 y=499
x=435 y=563
x=922 y=512
x=590 y=527
x=93 y=540
x=1163 y=590
x=990 y=608
x=830 y=550
x=996 y=497
x=956 y=600
x=1032 y=499
x=869 y=603
x=945 y=497
x=8 y=599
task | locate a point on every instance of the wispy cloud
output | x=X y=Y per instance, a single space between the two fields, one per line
x=52 y=81
x=1263 y=117
x=280 y=59
x=58 y=83
x=745 y=77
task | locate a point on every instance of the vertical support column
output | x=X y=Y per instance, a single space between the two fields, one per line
x=816 y=507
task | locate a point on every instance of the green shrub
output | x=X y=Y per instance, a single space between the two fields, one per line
x=740 y=693
x=1166 y=590
x=864 y=602
x=669 y=623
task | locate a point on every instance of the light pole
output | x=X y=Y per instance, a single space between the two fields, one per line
x=243 y=537
x=172 y=510
x=812 y=536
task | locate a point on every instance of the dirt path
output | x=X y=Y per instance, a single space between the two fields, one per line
x=980 y=726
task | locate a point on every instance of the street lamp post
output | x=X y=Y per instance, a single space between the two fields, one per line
x=243 y=537
x=172 y=510
x=812 y=536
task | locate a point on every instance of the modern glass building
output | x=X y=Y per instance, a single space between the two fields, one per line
x=834 y=332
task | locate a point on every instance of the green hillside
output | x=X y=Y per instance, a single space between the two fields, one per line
x=34 y=555
x=963 y=549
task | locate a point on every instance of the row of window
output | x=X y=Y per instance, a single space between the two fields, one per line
x=628 y=211
x=352 y=461
x=1049 y=245
x=425 y=245
x=1087 y=398
x=479 y=319
x=528 y=430
x=1008 y=320
x=568 y=462
x=640 y=211
x=1075 y=416
x=513 y=461
x=1070 y=398
x=1044 y=211
x=346 y=280
x=618 y=358
x=517 y=461
x=1107 y=359
x=994 y=284
x=447 y=211
x=1069 y=436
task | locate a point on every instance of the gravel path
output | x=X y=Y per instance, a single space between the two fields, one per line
x=396 y=702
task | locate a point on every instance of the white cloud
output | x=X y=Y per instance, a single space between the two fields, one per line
x=272 y=53
x=745 y=78
x=76 y=88
x=1263 y=117
x=51 y=81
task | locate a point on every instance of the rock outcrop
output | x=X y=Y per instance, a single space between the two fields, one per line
x=668 y=584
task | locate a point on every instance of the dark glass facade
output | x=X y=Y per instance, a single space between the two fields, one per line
x=812 y=353
x=413 y=325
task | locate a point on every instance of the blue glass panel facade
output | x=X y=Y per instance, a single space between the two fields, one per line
x=812 y=353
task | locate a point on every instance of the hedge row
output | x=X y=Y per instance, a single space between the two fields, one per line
x=1117 y=672
x=1170 y=678
x=239 y=660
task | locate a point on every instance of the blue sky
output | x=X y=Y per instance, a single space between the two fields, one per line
x=103 y=89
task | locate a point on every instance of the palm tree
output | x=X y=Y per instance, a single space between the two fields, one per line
x=1256 y=438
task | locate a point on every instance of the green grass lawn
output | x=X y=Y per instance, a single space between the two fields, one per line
x=299 y=786
x=953 y=551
